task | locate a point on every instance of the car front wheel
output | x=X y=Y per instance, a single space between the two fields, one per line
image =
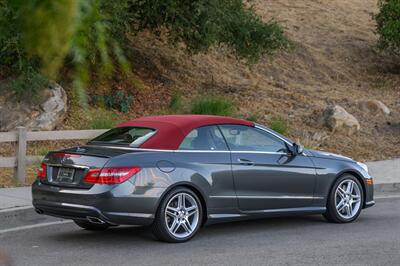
x=345 y=200
x=179 y=216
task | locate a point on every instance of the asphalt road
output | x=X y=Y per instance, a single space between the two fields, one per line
x=374 y=239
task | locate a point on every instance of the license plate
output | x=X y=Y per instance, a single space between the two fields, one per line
x=65 y=175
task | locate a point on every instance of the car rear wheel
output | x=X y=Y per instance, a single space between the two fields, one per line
x=179 y=216
x=91 y=226
x=345 y=200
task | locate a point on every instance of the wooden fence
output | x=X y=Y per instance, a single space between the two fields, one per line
x=22 y=136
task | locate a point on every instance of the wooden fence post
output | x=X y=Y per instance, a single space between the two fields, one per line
x=21 y=155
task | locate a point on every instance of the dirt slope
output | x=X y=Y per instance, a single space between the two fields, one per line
x=334 y=60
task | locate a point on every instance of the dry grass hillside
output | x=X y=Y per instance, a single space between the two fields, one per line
x=334 y=60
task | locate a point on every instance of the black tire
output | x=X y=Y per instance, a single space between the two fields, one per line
x=91 y=226
x=332 y=214
x=159 y=226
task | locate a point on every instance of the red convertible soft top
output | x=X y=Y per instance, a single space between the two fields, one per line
x=172 y=129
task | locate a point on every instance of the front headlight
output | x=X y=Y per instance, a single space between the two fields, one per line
x=363 y=166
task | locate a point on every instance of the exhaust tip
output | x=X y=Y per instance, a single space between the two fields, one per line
x=39 y=211
x=95 y=220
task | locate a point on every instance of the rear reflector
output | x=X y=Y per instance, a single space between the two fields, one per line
x=111 y=175
x=42 y=172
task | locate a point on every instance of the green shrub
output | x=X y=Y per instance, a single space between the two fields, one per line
x=203 y=23
x=212 y=106
x=28 y=85
x=388 y=25
x=175 y=104
x=254 y=117
x=120 y=101
x=43 y=151
x=102 y=119
x=279 y=124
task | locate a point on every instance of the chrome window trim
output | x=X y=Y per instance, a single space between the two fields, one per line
x=257 y=126
x=262 y=152
x=189 y=151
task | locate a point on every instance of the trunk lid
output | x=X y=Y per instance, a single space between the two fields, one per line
x=67 y=168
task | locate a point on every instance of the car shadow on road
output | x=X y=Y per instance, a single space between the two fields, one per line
x=143 y=234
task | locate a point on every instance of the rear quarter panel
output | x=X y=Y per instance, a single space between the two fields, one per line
x=208 y=173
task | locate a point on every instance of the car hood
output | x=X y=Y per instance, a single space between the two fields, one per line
x=328 y=155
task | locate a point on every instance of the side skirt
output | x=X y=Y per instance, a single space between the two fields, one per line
x=258 y=214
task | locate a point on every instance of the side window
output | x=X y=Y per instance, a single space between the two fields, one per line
x=204 y=138
x=244 y=138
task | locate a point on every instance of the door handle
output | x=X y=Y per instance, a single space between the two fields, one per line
x=245 y=162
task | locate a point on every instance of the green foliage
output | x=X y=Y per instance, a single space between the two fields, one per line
x=253 y=117
x=96 y=46
x=279 y=124
x=11 y=53
x=43 y=151
x=46 y=28
x=120 y=101
x=44 y=35
x=212 y=106
x=89 y=37
x=388 y=25
x=28 y=84
x=175 y=105
x=102 y=119
x=203 y=23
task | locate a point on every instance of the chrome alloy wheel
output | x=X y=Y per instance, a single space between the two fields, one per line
x=348 y=199
x=182 y=215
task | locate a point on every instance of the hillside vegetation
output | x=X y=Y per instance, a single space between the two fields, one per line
x=334 y=59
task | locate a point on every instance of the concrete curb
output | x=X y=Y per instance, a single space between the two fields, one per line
x=21 y=216
x=387 y=187
x=25 y=216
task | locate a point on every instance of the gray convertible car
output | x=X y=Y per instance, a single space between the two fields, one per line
x=176 y=173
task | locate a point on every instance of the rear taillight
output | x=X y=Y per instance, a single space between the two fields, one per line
x=42 y=172
x=111 y=175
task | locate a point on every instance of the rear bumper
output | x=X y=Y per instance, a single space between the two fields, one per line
x=122 y=204
x=84 y=212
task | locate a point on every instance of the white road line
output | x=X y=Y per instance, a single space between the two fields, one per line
x=387 y=197
x=26 y=227
x=16 y=209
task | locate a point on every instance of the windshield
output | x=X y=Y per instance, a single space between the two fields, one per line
x=125 y=136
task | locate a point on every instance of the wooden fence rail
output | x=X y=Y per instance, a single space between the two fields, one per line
x=22 y=136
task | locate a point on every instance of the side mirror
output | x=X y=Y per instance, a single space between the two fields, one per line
x=298 y=149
